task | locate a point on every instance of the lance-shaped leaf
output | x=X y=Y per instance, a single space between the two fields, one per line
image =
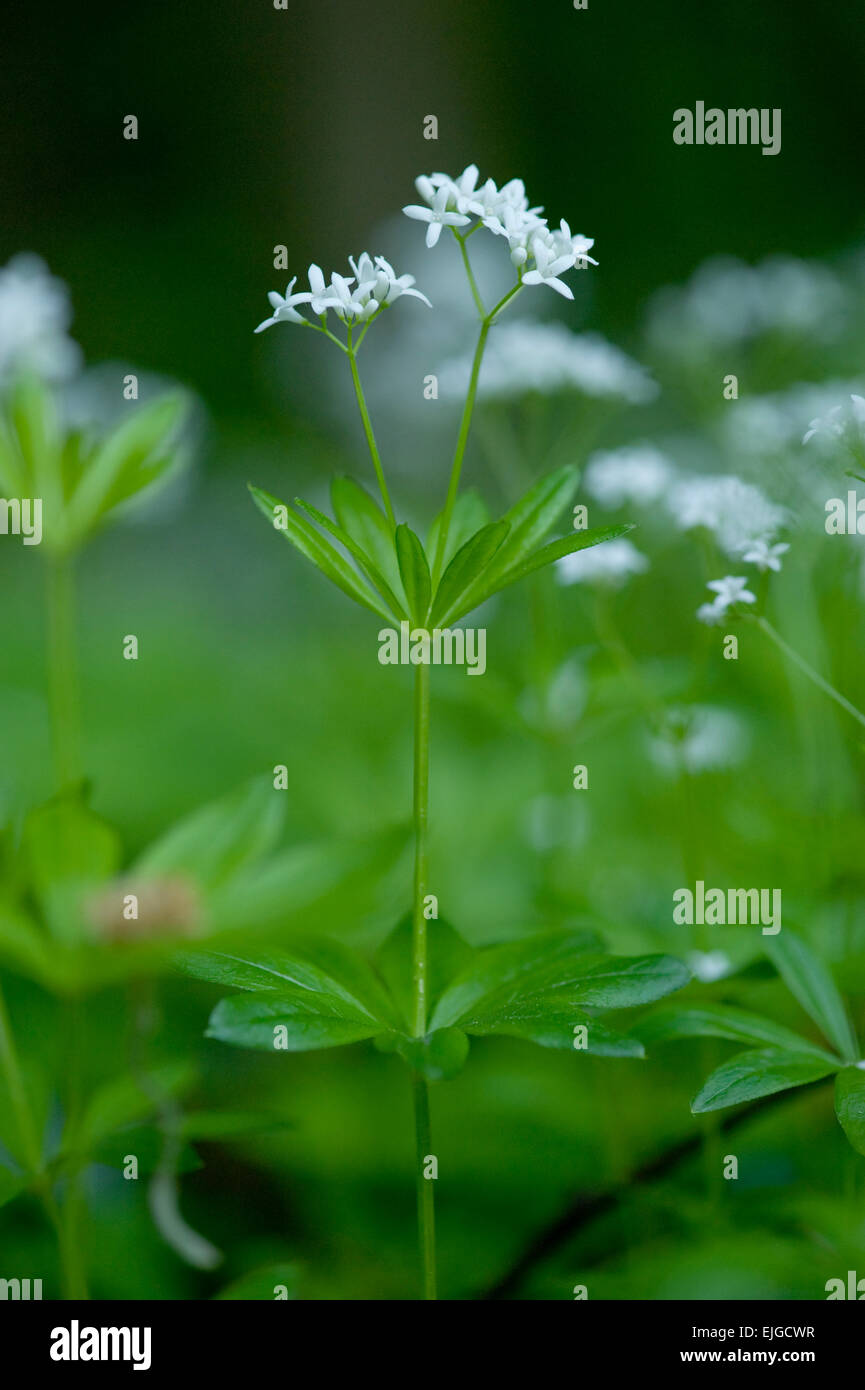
x=304 y=537
x=370 y=569
x=414 y=572
x=762 y=1072
x=133 y=456
x=217 y=840
x=534 y=515
x=809 y=980
x=549 y=1020
x=723 y=1021
x=296 y=1022
x=319 y=970
x=447 y=954
x=469 y=514
x=547 y=555
x=850 y=1104
x=363 y=519
x=468 y=567
x=549 y=981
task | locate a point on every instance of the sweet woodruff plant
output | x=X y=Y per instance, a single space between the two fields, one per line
x=428 y=990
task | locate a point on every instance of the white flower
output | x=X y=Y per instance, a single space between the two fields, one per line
x=699 y=738
x=376 y=284
x=609 y=563
x=638 y=474
x=846 y=423
x=437 y=214
x=764 y=555
x=728 y=591
x=34 y=318
x=737 y=512
x=550 y=263
x=283 y=307
x=525 y=355
x=540 y=255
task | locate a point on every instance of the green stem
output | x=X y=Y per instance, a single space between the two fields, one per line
x=62 y=671
x=813 y=676
x=425 y=1197
x=473 y=284
x=370 y=437
x=462 y=440
x=420 y=810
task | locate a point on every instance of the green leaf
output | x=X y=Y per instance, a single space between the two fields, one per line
x=850 y=1104
x=13 y=473
x=547 y=555
x=319 y=971
x=550 y=1021
x=309 y=1021
x=10 y=1186
x=534 y=514
x=264 y=1284
x=762 y=1072
x=447 y=954
x=468 y=567
x=414 y=572
x=439 y=1056
x=370 y=569
x=809 y=981
x=68 y=851
x=624 y=982
x=470 y=513
x=133 y=456
x=314 y=547
x=33 y=415
x=723 y=1021
x=216 y=841
x=220 y=1126
x=531 y=965
x=363 y=519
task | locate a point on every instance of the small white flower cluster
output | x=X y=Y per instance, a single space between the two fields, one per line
x=728 y=591
x=525 y=356
x=34 y=317
x=353 y=298
x=540 y=254
x=610 y=564
x=844 y=422
x=737 y=513
x=773 y=423
x=637 y=473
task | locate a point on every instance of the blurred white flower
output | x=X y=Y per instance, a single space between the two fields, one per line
x=728 y=591
x=844 y=422
x=525 y=355
x=611 y=563
x=736 y=512
x=770 y=424
x=709 y=966
x=764 y=555
x=728 y=302
x=699 y=738
x=637 y=473
x=35 y=314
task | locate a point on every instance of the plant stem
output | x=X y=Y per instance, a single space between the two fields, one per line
x=420 y=809
x=370 y=437
x=462 y=440
x=473 y=284
x=425 y=1196
x=809 y=671
x=62 y=671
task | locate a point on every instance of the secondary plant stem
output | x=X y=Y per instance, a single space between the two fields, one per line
x=420 y=808
x=370 y=437
x=462 y=440
x=809 y=671
x=62 y=672
x=425 y=1196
